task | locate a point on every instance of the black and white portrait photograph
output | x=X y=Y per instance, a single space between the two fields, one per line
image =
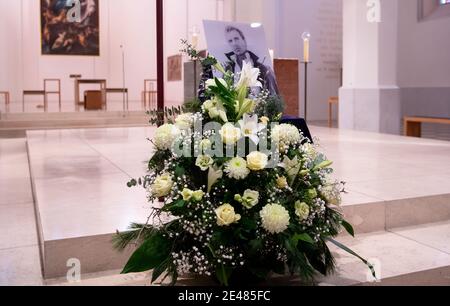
x=234 y=44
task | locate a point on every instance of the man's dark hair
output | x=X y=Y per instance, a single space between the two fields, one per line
x=231 y=29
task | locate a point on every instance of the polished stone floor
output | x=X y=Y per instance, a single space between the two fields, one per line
x=80 y=178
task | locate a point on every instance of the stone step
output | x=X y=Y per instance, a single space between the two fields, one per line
x=418 y=255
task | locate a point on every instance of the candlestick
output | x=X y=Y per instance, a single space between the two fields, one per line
x=306 y=36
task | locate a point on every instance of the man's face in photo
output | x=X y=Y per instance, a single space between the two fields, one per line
x=236 y=42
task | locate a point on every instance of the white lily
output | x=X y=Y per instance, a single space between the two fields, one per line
x=250 y=127
x=249 y=77
x=214 y=175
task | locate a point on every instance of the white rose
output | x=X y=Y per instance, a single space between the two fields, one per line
x=230 y=134
x=226 y=216
x=204 y=161
x=301 y=210
x=162 y=185
x=257 y=161
x=165 y=135
x=275 y=218
x=184 y=121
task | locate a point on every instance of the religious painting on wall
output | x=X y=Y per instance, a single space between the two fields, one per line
x=174 y=68
x=234 y=44
x=70 y=27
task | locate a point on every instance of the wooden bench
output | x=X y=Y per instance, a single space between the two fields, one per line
x=413 y=125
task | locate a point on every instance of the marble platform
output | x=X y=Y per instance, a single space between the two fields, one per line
x=79 y=186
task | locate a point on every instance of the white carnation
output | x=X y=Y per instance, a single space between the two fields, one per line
x=285 y=135
x=184 y=121
x=275 y=218
x=165 y=135
x=237 y=168
x=301 y=210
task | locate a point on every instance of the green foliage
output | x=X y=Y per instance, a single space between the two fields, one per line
x=348 y=227
x=192 y=106
x=271 y=107
x=150 y=255
x=168 y=115
x=137 y=231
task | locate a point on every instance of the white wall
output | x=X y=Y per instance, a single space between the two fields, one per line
x=424 y=57
x=122 y=22
x=284 y=22
x=180 y=17
x=397 y=67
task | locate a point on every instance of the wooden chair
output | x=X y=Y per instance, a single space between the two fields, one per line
x=56 y=92
x=150 y=91
x=7 y=99
x=331 y=101
x=34 y=93
x=44 y=93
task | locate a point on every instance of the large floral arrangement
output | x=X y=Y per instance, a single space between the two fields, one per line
x=241 y=196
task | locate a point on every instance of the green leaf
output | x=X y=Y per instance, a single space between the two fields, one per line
x=351 y=252
x=179 y=171
x=149 y=255
x=255 y=246
x=301 y=237
x=160 y=270
x=174 y=206
x=348 y=227
x=223 y=274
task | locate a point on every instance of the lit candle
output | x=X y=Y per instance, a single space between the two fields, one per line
x=306 y=37
x=194 y=36
x=194 y=40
